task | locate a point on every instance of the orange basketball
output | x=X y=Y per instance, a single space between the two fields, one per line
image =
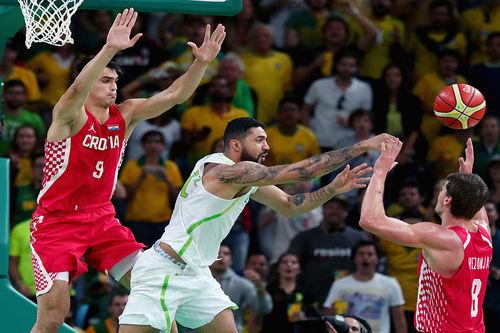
x=459 y=106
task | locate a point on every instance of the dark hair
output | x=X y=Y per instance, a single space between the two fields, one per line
x=358 y=113
x=363 y=243
x=289 y=99
x=152 y=133
x=237 y=129
x=409 y=184
x=492 y=35
x=468 y=194
x=343 y=203
x=36 y=149
x=14 y=83
x=450 y=53
x=83 y=62
x=118 y=293
x=441 y=3
x=405 y=76
x=346 y=53
x=339 y=19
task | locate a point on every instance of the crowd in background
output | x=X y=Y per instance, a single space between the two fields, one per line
x=323 y=75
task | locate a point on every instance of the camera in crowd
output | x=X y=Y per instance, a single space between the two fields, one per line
x=340 y=323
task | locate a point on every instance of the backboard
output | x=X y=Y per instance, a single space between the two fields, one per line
x=203 y=7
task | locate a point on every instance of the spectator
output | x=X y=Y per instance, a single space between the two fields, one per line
x=478 y=23
x=291 y=141
x=91 y=29
x=16 y=115
x=239 y=26
x=402 y=264
x=488 y=144
x=484 y=76
x=493 y=179
x=25 y=146
x=445 y=151
x=24 y=194
x=238 y=240
x=53 y=69
x=398 y=112
x=368 y=294
x=258 y=263
x=242 y=95
x=267 y=71
x=115 y=308
x=429 y=85
x=240 y=290
x=386 y=45
x=324 y=251
x=330 y=101
x=20 y=270
x=409 y=199
x=152 y=185
x=287 y=296
x=492 y=295
x=442 y=33
x=276 y=231
x=10 y=71
x=203 y=125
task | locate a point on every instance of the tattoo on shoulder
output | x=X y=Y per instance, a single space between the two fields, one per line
x=247 y=173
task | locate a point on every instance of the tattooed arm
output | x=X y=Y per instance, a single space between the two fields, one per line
x=254 y=174
x=292 y=205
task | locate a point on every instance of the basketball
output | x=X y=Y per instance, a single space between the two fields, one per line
x=459 y=106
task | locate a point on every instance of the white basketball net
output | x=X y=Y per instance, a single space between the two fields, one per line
x=48 y=20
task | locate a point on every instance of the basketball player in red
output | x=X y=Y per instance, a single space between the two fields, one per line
x=454 y=265
x=74 y=223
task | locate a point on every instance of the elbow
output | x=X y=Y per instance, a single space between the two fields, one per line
x=366 y=222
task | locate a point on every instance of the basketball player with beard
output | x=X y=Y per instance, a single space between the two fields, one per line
x=172 y=279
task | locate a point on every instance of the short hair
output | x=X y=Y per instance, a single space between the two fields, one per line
x=450 y=53
x=409 y=183
x=346 y=52
x=492 y=36
x=339 y=19
x=152 y=133
x=289 y=99
x=234 y=57
x=363 y=243
x=118 y=293
x=358 y=113
x=441 y=3
x=343 y=203
x=468 y=194
x=14 y=83
x=83 y=62
x=238 y=128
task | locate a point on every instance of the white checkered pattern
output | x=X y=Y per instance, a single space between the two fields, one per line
x=431 y=303
x=54 y=159
x=43 y=280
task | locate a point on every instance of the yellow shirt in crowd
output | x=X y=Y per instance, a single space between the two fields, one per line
x=197 y=117
x=28 y=77
x=377 y=57
x=444 y=153
x=290 y=149
x=270 y=77
x=151 y=201
x=478 y=26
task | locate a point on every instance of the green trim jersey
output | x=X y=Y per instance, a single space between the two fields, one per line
x=201 y=220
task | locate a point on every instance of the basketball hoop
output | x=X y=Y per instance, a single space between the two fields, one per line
x=48 y=21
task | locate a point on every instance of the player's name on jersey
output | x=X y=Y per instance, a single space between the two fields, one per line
x=95 y=142
x=479 y=263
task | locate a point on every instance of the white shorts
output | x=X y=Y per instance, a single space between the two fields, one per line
x=161 y=291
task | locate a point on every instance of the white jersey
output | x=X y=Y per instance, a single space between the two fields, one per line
x=201 y=220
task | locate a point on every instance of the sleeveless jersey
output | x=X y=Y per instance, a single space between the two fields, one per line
x=80 y=172
x=455 y=304
x=201 y=220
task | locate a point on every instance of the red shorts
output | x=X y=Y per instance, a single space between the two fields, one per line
x=65 y=242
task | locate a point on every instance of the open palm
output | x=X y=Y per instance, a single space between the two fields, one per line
x=119 y=34
x=211 y=44
x=349 y=179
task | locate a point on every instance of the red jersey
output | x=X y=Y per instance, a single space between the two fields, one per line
x=455 y=304
x=80 y=172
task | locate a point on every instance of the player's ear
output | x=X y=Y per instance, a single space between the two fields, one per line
x=447 y=200
x=235 y=145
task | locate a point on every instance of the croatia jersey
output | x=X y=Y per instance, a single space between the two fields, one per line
x=455 y=304
x=80 y=172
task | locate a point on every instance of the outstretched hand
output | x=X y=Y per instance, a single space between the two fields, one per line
x=119 y=34
x=376 y=142
x=389 y=152
x=467 y=164
x=351 y=179
x=211 y=44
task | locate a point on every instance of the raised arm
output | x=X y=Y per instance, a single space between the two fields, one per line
x=253 y=174
x=68 y=110
x=373 y=218
x=185 y=85
x=293 y=205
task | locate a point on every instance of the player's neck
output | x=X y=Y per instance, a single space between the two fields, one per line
x=449 y=220
x=233 y=156
x=98 y=111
